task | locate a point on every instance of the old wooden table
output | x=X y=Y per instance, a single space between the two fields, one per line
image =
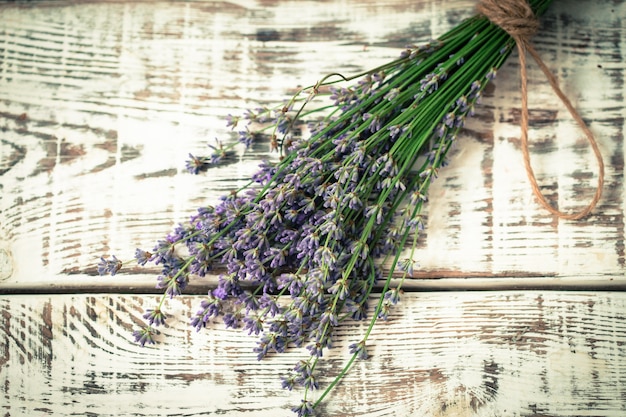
x=513 y=313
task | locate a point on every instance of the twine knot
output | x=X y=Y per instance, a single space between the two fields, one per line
x=517 y=19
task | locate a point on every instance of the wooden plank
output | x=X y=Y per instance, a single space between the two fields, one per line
x=440 y=354
x=102 y=101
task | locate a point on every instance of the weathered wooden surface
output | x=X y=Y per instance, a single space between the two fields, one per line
x=100 y=102
x=440 y=354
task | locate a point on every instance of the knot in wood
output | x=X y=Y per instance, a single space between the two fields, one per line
x=515 y=17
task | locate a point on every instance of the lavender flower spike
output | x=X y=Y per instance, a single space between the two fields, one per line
x=306 y=247
x=109 y=266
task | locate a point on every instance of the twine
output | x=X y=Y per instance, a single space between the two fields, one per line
x=517 y=19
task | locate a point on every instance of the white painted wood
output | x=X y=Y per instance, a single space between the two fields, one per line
x=440 y=354
x=102 y=101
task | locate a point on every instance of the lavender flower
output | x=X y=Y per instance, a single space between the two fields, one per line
x=109 y=266
x=359 y=350
x=304 y=409
x=196 y=164
x=407 y=265
x=142 y=256
x=145 y=335
x=155 y=317
x=232 y=121
x=302 y=249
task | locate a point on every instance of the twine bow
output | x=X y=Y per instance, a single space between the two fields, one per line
x=517 y=19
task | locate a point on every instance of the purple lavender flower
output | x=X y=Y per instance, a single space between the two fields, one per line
x=145 y=335
x=246 y=137
x=195 y=164
x=219 y=153
x=232 y=321
x=270 y=342
x=300 y=251
x=163 y=252
x=491 y=74
x=289 y=382
x=461 y=103
x=393 y=296
x=155 y=317
x=253 y=323
x=173 y=285
x=142 y=256
x=232 y=121
x=340 y=288
x=305 y=409
x=449 y=119
x=392 y=94
x=210 y=307
x=109 y=266
x=407 y=265
x=359 y=349
x=430 y=83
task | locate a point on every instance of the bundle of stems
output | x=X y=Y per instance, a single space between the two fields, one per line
x=318 y=236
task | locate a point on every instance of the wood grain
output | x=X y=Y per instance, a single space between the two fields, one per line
x=440 y=354
x=100 y=102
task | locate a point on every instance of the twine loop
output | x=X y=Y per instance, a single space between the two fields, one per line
x=517 y=19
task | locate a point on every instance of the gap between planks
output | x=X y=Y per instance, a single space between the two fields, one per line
x=146 y=285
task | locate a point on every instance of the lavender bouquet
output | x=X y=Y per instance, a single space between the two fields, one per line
x=316 y=238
